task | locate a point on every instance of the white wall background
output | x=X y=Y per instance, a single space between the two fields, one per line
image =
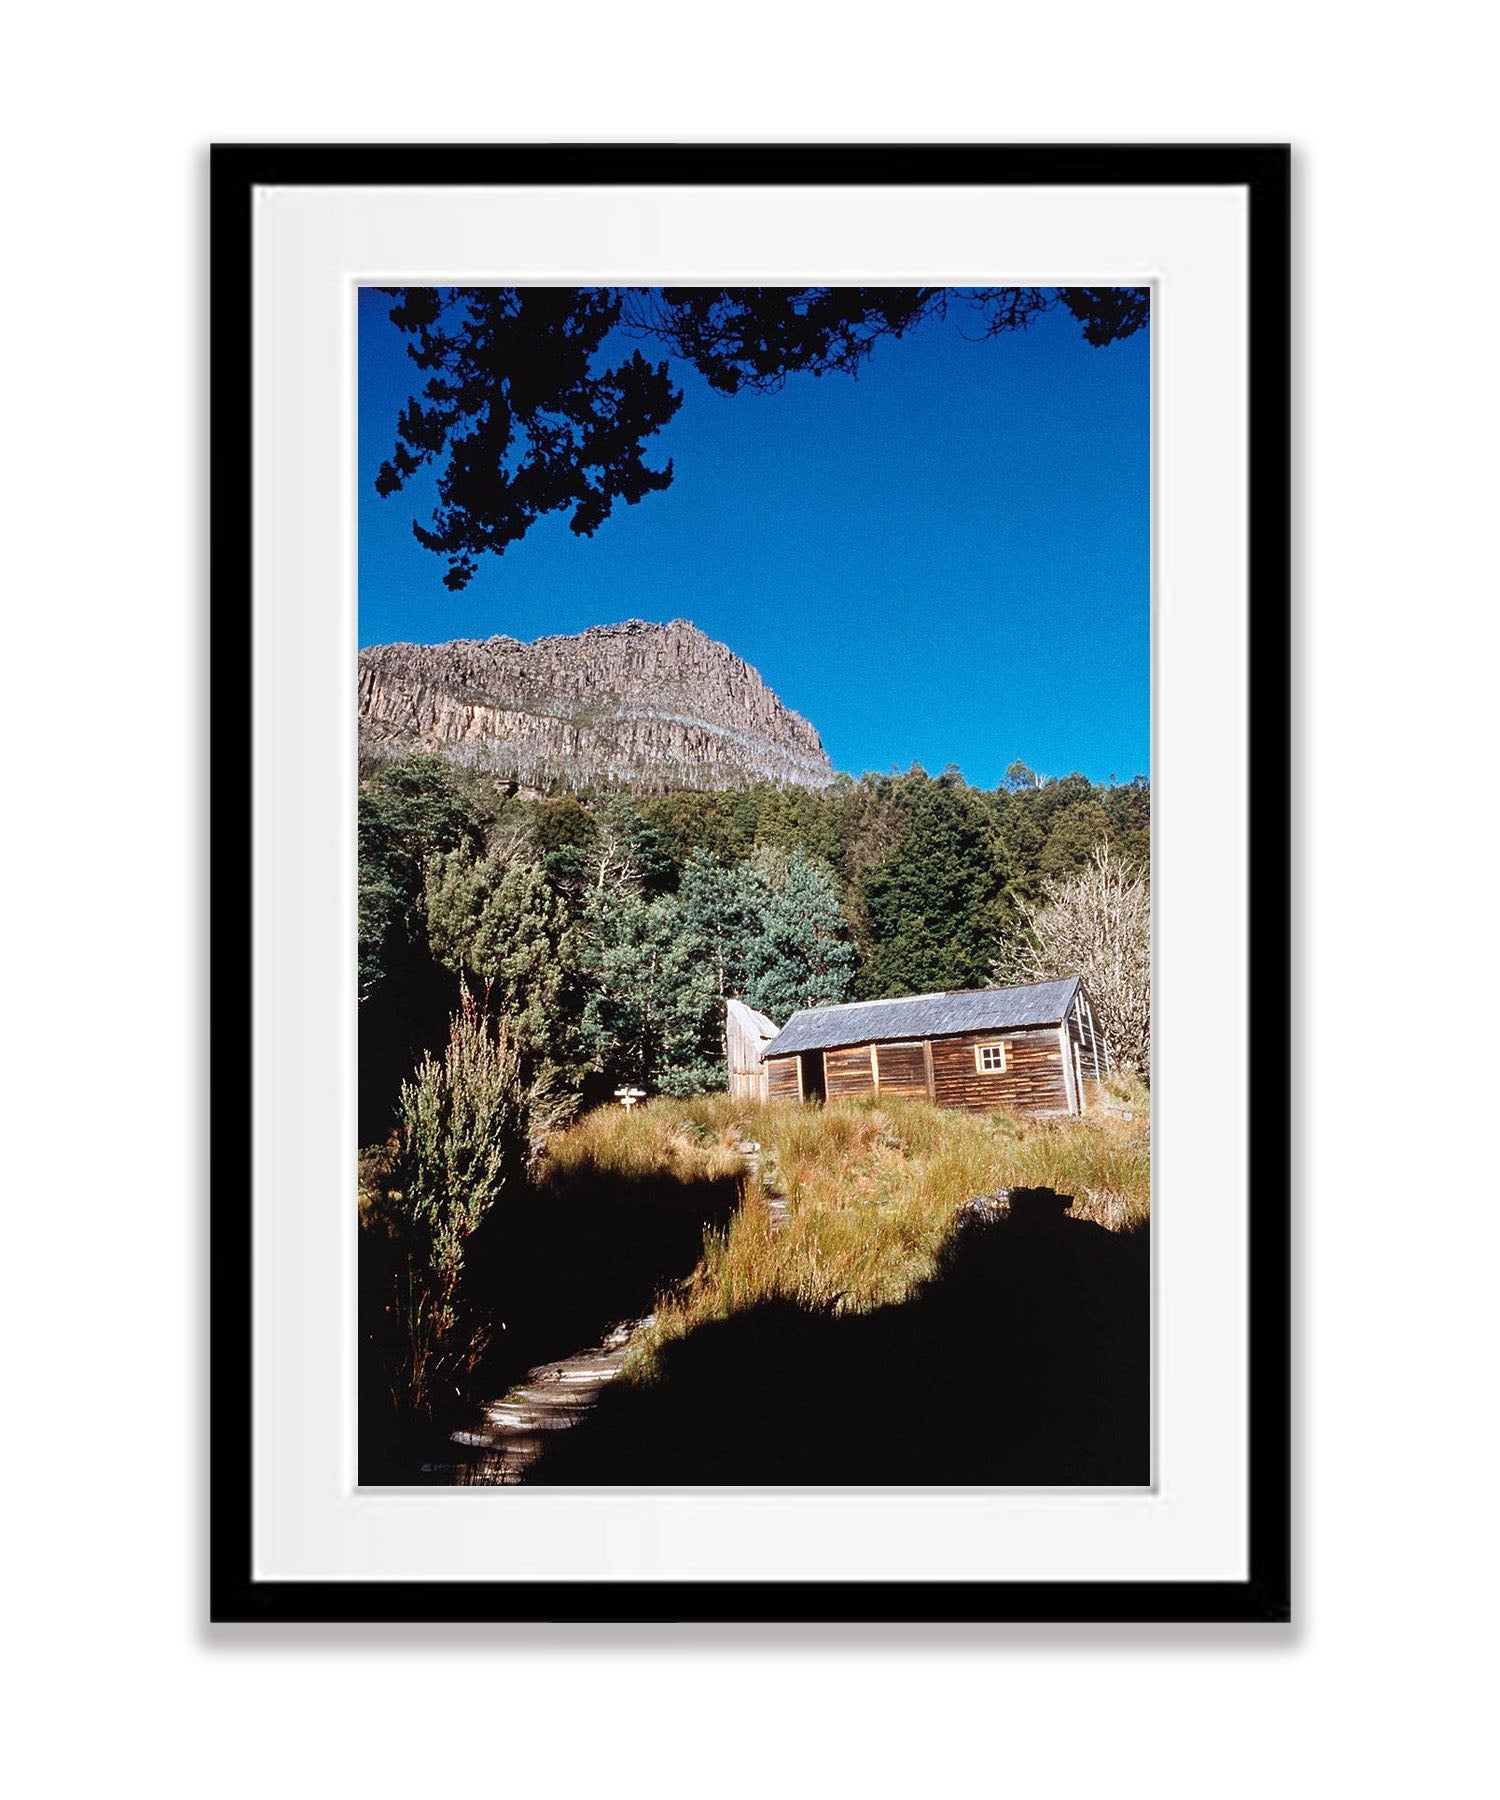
x=1381 y=1686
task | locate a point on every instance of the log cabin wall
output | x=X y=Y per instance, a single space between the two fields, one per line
x=902 y=1069
x=783 y=1078
x=1036 y=1076
x=1033 y=1079
x=849 y=1072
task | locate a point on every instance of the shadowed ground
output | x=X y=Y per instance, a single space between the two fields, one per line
x=564 y=1267
x=1024 y=1361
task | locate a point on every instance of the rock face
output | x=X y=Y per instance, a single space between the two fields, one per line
x=645 y=707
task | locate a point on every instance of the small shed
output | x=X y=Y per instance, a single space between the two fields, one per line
x=1028 y=1048
x=746 y=1034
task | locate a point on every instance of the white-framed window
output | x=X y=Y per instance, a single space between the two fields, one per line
x=989 y=1059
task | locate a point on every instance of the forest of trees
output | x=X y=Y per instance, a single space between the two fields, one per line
x=607 y=930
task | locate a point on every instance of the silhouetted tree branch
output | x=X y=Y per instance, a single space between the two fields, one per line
x=522 y=422
x=1107 y=314
x=525 y=422
x=755 y=337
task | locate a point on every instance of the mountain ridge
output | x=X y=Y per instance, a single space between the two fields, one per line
x=646 y=707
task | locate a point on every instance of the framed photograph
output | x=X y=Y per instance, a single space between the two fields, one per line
x=750 y=883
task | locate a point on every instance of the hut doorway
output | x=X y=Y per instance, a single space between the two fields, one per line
x=813 y=1085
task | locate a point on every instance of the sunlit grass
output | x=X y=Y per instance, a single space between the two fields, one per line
x=641 y=1143
x=871 y=1187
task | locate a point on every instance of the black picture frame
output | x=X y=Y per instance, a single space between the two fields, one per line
x=1263 y=172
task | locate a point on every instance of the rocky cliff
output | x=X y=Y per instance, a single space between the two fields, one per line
x=648 y=707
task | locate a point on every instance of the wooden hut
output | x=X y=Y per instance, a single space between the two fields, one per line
x=746 y=1034
x=1029 y=1048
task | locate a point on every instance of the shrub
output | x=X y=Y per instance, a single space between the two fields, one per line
x=462 y=1138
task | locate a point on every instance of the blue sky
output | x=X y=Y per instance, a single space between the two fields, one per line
x=945 y=560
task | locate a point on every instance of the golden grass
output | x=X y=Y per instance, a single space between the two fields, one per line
x=636 y=1145
x=871 y=1188
x=1124 y=1091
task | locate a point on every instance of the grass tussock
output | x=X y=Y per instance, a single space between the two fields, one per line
x=642 y=1144
x=1124 y=1092
x=871 y=1188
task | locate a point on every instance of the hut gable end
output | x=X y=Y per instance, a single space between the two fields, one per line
x=746 y=1035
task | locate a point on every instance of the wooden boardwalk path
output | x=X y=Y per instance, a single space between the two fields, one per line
x=553 y=1397
x=774 y=1199
x=514 y=1431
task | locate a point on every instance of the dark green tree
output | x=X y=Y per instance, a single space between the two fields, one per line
x=562 y=830
x=646 y=994
x=937 y=904
x=497 y=916
x=1022 y=828
x=799 y=819
x=624 y=852
x=719 y=824
x=1076 y=829
x=718 y=909
x=1128 y=809
x=800 y=954
x=717 y=906
x=408 y=811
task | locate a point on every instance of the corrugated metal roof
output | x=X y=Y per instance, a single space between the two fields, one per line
x=925 y=1016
